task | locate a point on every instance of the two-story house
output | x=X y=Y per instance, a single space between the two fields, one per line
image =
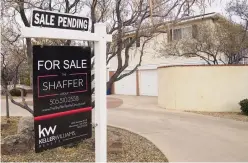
x=144 y=81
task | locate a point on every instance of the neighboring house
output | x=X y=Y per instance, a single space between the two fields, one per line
x=144 y=81
x=245 y=59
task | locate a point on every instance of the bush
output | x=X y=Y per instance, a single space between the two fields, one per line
x=244 y=106
x=17 y=92
x=25 y=81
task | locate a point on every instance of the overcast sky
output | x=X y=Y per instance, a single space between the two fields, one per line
x=218 y=6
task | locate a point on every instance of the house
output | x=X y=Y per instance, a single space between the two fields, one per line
x=245 y=59
x=144 y=81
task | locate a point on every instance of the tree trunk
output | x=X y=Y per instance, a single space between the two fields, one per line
x=7 y=103
x=110 y=83
x=30 y=60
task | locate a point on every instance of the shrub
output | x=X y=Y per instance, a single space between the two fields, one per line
x=244 y=106
x=25 y=81
x=17 y=92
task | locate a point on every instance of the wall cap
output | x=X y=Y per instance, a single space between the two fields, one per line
x=230 y=65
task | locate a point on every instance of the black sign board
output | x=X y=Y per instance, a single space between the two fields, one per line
x=49 y=19
x=62 y=95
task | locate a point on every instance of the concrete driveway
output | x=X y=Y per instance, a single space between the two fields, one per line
x=182 y=136
x=179 y=135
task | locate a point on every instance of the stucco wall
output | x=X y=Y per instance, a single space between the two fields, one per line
x=202 y=88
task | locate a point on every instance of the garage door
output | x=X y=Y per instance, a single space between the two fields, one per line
x=127 y=85
x=148 y=83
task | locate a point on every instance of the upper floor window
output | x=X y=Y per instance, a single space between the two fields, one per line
x=177 y=34
x=187 y=32
x=182 y=33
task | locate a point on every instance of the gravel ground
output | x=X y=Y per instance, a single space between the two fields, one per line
x=230 y=115
x=134 y=149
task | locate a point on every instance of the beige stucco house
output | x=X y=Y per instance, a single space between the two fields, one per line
x=183 y=83
x=146 y=80
x=184 y=28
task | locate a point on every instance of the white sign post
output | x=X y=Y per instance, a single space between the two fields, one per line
x=100 y=38
x=100 y=96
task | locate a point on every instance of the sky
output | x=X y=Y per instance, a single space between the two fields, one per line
x=218 y=6
x=215 y=6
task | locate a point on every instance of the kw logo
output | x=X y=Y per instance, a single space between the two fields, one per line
x=46 y=132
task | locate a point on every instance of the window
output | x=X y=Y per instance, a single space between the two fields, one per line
x=182 y=33
x=187 y=32
x=177 y=34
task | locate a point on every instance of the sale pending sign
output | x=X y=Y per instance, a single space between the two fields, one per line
x=62 y=95
x=50 y=19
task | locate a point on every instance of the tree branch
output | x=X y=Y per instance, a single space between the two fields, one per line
x=23 y=104
x=22 y=13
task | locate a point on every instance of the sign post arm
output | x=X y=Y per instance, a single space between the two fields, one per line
x=100 y=94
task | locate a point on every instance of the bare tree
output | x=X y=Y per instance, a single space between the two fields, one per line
x=221 y=43
x=239 y=9
x=131 y=21
x=21 y=8
x=121 y=16
x=143 y=18
x=12 y=58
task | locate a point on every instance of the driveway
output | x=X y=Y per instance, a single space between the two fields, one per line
x=181 y=136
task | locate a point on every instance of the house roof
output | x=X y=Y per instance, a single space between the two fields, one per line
x=212 y=15
x=198 y=17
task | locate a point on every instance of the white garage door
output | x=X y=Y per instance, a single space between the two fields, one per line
x=127 y=85
x=148 y=83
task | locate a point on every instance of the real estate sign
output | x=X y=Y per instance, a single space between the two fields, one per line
x=62 y=95
x=41 y=18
